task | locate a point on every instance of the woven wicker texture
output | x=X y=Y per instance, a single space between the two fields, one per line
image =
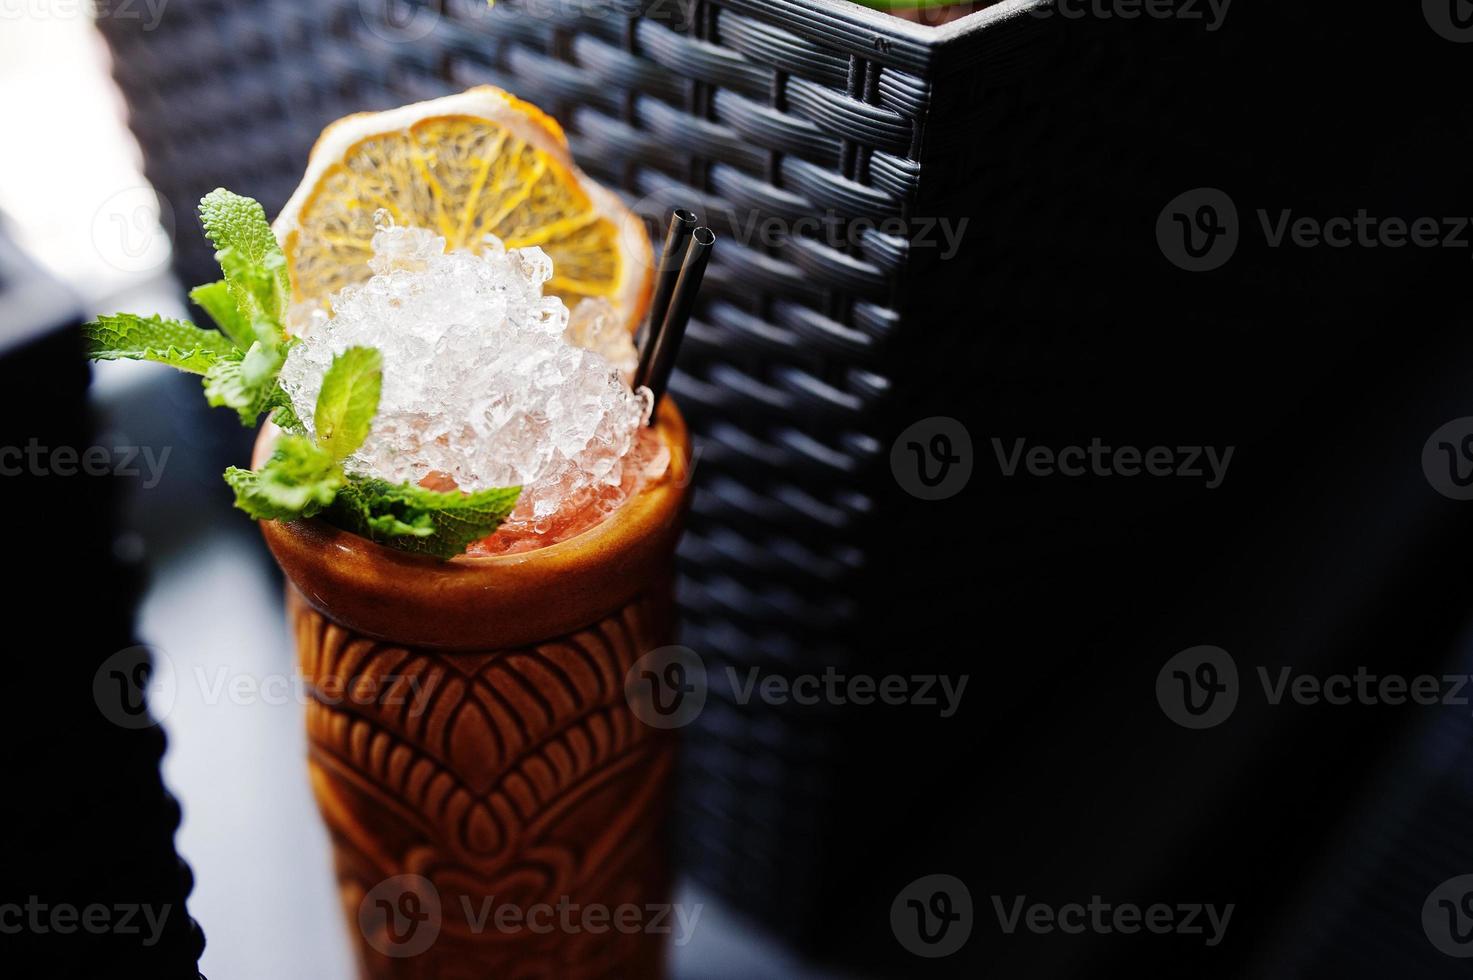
x=755 y=113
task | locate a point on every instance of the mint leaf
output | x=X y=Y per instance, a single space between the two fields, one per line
x=390 y=526
x=233 y=221
x=283 y=413
x=245 y=381
x=414 y=519
x=299 y=480
x=218 y=300
x=348 y=400
x=251 y=259
x=177 y=343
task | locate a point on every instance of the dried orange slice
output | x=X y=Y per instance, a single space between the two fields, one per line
x=464 y=166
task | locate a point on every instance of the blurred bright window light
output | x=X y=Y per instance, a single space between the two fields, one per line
x=70 y=174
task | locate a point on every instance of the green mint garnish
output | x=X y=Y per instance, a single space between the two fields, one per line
x=412 y=518
x=241 y=362
x=246 y=382
x=299 y=480
x=302 y=477
x=218 y=300
x=282 y=413
x=253 y=263
x=177 y=343
x=348 y=400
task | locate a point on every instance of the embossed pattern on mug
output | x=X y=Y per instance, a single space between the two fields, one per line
x=516 y=775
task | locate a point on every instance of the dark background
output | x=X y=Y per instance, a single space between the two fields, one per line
x=1325 y=548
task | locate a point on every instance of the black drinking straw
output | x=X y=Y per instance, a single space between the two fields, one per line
x=682 y=222
x=665 y=341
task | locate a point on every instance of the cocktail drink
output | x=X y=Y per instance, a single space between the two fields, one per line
x=509 y=773
x=476 y=511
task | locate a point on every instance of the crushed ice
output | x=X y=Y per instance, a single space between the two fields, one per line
x=486 y=381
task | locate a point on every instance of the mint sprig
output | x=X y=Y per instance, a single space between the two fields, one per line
x=218 y=300
x=242 y=359
x=299 y=480
x=241 y=362
x=253 y=263
x=302 y=477
x=348 y=400
x=246 y=382
x=177 y=343
x=411 y=518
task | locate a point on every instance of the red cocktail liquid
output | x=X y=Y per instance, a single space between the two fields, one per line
x=647 y=460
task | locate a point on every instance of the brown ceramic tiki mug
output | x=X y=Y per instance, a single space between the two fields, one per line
x=471 y=747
